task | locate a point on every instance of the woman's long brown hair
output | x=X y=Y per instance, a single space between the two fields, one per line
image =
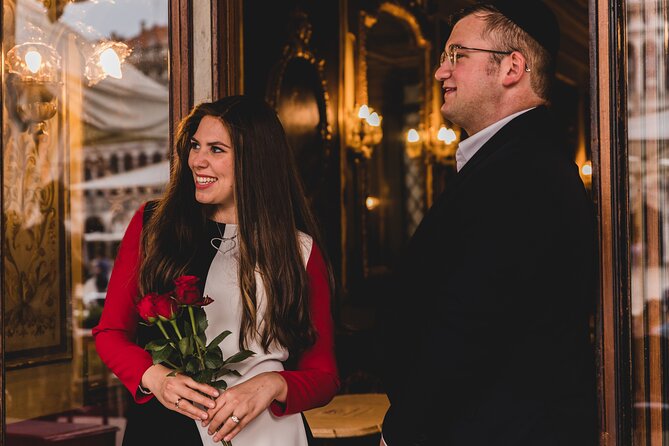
x=271 y=208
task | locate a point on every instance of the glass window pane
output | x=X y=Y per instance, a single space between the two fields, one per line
x=85 y=142
x=648 y=142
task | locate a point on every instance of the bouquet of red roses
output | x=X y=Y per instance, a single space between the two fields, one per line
x=180 y=316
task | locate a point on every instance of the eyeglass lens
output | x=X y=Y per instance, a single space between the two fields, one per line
x=451 y=55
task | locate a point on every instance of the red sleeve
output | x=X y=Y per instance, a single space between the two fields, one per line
x=316 y=380
x=115 y=334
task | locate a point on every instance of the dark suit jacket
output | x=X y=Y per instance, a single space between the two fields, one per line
x=486 y=341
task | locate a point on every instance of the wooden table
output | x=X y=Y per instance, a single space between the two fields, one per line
x=349 y=416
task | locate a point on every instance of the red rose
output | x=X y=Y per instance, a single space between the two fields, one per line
x=188 y=293
x=165 y=306
x=146 y=308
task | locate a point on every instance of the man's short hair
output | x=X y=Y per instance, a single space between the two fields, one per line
x=505 y=35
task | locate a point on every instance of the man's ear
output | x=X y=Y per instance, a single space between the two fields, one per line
x=513 y=69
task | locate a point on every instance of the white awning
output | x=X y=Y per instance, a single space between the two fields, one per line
x=134 y=107
x=155 y=175
x=649 y=126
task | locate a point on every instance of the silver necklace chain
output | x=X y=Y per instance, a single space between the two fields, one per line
x=222 y=240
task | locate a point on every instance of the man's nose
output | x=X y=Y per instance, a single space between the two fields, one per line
x=444 y=71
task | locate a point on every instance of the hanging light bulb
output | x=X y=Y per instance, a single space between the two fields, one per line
x=374 y=120
x=35 y=70
x=33 y=61
x=110 y=63
x=363 y=113
x=363 y=130
x=446 y=135
x=372 y=203
x=413 y=136
x=106 y=60
x=587 y=168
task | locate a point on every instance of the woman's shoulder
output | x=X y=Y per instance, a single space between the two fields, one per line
x=306 y=244
x=141 y=216
x=147 y=209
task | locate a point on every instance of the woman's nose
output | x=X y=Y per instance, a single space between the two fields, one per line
x=199 y=159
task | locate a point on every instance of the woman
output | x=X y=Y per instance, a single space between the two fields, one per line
x=233 y=214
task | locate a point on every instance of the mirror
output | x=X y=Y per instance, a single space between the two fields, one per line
x=395 y=58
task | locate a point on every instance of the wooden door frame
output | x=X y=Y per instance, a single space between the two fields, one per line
x=181 y=61
x=227 y=47
x=610 y=191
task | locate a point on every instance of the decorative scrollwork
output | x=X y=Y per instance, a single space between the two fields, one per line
x=298 y=91
x=33 y=246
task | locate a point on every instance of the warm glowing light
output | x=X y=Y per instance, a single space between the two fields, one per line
x=106 y=60
x=413 y=136
x=374 y=119
x=587 y=169
x=372 y=203
x=110 y=63
x=363 y=113
x=33 y=61
x=446 y=135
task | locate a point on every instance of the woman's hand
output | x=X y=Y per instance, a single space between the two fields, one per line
x=178 y=392
x=240 y=404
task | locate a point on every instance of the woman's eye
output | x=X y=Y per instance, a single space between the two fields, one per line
x=216 y=149
x=194 y=146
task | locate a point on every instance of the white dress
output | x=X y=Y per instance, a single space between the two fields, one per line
x=222 y=285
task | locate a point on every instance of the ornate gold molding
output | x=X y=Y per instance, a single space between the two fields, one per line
x=402 y=14
x=299 y=48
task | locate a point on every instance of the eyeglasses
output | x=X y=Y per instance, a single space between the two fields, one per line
x=453 y=50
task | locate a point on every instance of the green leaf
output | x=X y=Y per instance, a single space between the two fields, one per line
x=186 y=346
x=161 y=355
x=193 y=365
x=216 y=351
x=226 y=371
x=201 y=340
x=184 y=324
x=200 y=319
x=218 y=339
x=204 y=376
x=156 y=345
x=220 y=384
x=212 y=360
x=239 y=356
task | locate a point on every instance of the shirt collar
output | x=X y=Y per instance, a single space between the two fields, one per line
x=468 y=148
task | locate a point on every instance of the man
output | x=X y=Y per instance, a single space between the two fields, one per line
x=486 y=341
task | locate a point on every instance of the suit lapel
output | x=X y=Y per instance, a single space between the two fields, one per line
x=517 y=127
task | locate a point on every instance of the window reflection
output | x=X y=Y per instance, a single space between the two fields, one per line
x=83 y=146
x=648 y=142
